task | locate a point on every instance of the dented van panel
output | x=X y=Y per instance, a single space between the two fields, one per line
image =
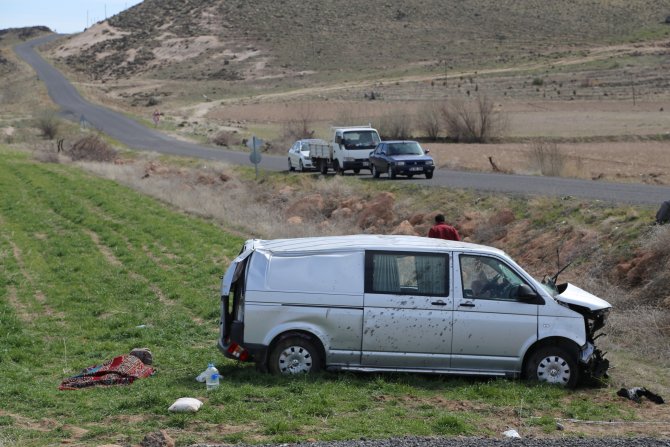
x=404 y=303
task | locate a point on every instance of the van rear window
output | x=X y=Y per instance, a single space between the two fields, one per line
x=403 y=273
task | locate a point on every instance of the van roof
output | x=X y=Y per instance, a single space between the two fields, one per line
x=364 y=242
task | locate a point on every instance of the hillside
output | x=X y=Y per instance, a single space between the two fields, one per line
x=237 y=39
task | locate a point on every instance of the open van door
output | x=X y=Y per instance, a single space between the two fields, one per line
x=232 y=313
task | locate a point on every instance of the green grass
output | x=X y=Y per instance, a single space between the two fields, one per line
x=91 y=269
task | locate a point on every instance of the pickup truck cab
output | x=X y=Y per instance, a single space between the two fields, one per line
x=404 y=303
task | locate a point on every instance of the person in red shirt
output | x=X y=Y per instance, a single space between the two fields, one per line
x=443 y=231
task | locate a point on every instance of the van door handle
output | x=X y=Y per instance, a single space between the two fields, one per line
x=438 y=303
x=467 y=304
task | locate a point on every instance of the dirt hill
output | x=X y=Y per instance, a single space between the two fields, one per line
x=238 y=39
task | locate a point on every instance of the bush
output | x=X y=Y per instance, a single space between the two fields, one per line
x=91 y=148
x=538 y=81
x=395 y=126
x=48 y=123
x=225 y=138
x=548 y=158
x=429 y=120
x=475 y=121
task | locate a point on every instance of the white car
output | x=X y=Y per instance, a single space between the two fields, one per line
x=298 y=155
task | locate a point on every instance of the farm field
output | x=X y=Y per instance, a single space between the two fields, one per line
x=92 y=269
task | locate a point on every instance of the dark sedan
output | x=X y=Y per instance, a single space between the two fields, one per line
x=401 y=158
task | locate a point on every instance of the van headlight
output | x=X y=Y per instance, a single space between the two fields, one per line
x=400 y=163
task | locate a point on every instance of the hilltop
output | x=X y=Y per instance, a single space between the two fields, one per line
x=237 y=39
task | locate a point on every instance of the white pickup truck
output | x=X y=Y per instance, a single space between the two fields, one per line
x=348 y=149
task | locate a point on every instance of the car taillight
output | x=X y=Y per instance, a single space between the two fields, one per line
x=238 y=352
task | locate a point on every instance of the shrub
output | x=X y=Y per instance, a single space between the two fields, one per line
x=429 y=120
x=475 y=121
x=548 y=158
x=395 y=125
x=91 y=148
x=225 y=138
x=48 y=123
x=538 y=81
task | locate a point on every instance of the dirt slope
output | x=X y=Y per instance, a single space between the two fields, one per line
x=235 y=39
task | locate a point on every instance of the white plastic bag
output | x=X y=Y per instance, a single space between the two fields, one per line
x=202 y=376
x=185 y=405
x=511 y=433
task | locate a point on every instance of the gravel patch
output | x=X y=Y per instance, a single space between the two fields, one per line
x=477 y=442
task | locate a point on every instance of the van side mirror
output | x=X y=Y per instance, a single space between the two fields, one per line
x=526 y=294
x=338 y=139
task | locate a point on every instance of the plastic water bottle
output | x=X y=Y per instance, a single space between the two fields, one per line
x=212 y=377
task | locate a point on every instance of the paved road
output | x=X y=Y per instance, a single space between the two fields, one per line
x=137 y=136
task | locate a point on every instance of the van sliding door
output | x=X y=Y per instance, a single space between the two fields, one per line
x=408 y=310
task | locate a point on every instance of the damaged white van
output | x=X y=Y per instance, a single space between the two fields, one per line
x=404 y=303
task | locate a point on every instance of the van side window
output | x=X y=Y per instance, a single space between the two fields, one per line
x=488 y=278
x=403 y=273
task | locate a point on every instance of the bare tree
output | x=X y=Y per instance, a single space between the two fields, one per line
x=547 y=157
x=301 y=126
x=429 y=120
x=395 y=125
x=476 y=121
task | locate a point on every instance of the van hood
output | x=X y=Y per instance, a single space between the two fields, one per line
x=573 y=295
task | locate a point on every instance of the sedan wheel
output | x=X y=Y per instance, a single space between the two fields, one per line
x=290 y=166
x=391 y=172
x=375 y=172
x=300 y=166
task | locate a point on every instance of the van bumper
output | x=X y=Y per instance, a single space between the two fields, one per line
x=230 y=346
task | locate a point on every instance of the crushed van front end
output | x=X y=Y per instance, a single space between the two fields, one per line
x=595 y=311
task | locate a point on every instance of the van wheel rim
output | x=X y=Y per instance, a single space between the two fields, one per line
x=295 y=360
x=553 y=369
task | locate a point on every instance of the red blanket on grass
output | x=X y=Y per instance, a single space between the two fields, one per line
x=121 y=370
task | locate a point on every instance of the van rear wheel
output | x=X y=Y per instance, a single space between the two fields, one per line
x=295 y=354
x=553 y=365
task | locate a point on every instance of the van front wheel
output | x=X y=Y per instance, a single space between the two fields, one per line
x=553 y=365
x=295 y=355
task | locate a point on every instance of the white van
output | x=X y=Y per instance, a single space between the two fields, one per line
x=404 y=303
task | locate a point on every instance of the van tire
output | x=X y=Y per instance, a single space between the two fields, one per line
x=295 y=354
x=554 y=365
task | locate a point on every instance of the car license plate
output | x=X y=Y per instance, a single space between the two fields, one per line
x=416 y=169
x=365 y=163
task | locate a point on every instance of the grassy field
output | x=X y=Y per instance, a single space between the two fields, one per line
x=92 y=269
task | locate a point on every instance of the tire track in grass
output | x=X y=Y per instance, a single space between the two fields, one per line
x=40 y=303
x=20 y=309
x=176 y=261
x=117 y=218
